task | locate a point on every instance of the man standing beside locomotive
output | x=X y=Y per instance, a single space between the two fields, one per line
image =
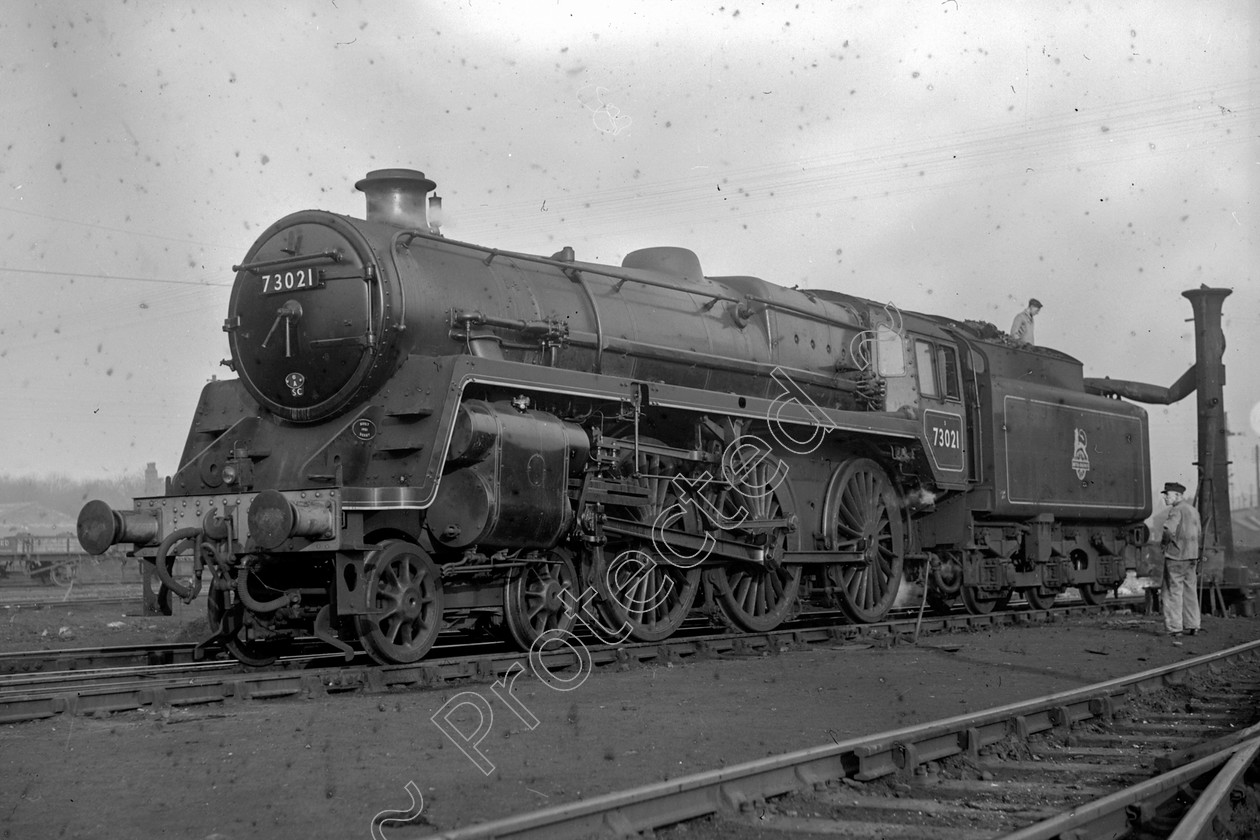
x=1022 y=326
x=1182 y=533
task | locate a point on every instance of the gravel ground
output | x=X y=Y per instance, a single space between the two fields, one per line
x=324 y=767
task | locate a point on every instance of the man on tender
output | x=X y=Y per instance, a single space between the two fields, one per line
x=1022 y=326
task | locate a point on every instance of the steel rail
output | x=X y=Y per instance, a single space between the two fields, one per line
x=1107 y=817
x=188 y=688
x=72 y=601
x=1197 y=822
x=28 y=684
x=898 y=751
x=55 y=660
x=90 y=679
x=82 y=658
x=16 y=665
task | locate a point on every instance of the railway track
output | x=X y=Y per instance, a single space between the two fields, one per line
x=1161 y=753
x=32 y=603
x=139 y=656
x=62 y=660
x=106 y=680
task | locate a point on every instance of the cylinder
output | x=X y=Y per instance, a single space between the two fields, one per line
x=476 y=432
x=514 y=489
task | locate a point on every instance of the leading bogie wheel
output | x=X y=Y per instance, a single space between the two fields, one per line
x=404 y=602
x=226 y=617
x=863 y=513
x=532 y=604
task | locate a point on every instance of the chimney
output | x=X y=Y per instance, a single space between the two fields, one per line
x=152 y=483
x=397 y=197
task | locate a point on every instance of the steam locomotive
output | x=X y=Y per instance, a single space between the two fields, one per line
x=428 y=434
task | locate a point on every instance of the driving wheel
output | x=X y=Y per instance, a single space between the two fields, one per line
x=862 y=513
x=641 y=583
x=756 y=597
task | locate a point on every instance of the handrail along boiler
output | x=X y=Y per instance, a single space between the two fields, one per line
x=427 y=434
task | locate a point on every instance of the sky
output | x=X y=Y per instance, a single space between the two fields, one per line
x=952 y=157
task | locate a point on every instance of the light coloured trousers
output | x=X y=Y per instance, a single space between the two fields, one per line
x=1181 y=595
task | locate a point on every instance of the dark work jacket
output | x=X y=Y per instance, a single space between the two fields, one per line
x=1182 y=532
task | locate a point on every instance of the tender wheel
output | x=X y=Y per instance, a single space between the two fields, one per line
x=1093 y=594
x=637 y=584
x=977 y=602
x=757 y=598
x=1036 y=600
x=861 y=511
x=404 y=600
x=531 y=602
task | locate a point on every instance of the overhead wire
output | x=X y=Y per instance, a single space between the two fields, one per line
x=96 y=225
x=97 y=276
x=117 y=313
x=1107 y=135
x=1052 y=143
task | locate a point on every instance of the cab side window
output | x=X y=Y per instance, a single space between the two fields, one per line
x=890 y=359
x=926 y=363
x=949 y=373
x=938 y=370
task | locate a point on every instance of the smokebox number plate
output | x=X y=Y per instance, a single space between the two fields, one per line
x=298 y=280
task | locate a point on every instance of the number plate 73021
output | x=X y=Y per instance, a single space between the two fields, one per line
x=296 y=280
x=944 y=432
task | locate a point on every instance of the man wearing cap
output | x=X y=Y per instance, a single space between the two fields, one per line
x=1180 y=541
x=1022 y=326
